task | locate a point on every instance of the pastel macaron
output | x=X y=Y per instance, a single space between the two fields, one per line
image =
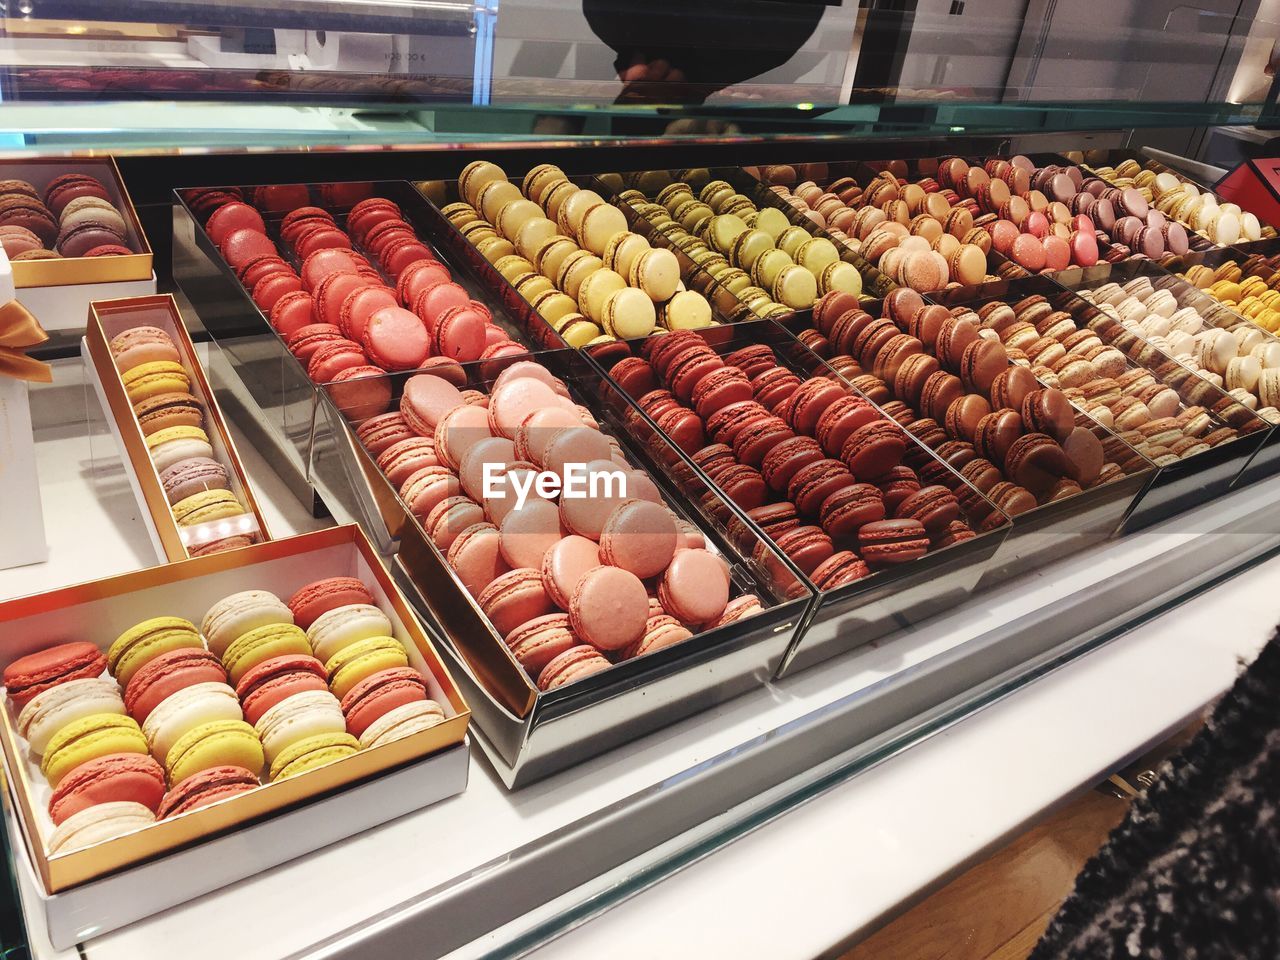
x=380 y=693
x=88 y=738
x=266 y=684
x=317 y=598
x=235 y=615
x=354 y=663
x=206 y=507
x=154 y=378
x=297 y=717
x=107 y=779
x=100 y=822
x=264 y=643
x=140 y=644
x=342 y=626
x=574 y=664
x=403 y=721
x=312 y=753
x=216 y=744
x=168 y=673
x=206 y=787
x=139 y=345
x=29 y=676
x=173 y=444
x=56 y=707
x=186 y=709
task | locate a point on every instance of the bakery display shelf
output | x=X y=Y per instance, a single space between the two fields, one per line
x=550 y=855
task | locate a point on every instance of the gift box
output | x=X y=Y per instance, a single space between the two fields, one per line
x=114 y=882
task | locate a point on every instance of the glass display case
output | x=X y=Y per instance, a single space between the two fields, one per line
x=1077 y=293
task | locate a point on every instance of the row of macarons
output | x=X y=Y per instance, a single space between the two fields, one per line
x=570 y=253
x=73 y=217
x=172 y=421
x=574 y=584
x=342 y=317
x=176 y=724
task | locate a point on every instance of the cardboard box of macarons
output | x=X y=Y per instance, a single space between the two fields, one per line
x=70 y=221
x=160 y=727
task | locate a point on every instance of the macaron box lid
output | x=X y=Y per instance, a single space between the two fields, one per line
x=102 y=610
x=60 y=271
x=175 y=542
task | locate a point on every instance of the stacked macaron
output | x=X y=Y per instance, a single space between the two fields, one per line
x=1158 y=409
x=75 y=218
x=989 y=411
x=196 y=724
x=750 y=248
x=816 y=467
x=574 y=583
x=172 y=421
x=319 y=677
x=916 y=233
x=345 y=319
x=1250 y=287
x=570 y=254
x=1182 y=200
x=1241 y=359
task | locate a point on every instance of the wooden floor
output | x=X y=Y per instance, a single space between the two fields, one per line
x=998 y=909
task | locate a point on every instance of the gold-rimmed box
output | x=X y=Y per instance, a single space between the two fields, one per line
x=117 y=881
x=109 y=318
x=70 y=271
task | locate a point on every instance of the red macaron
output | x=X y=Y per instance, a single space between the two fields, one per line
x=166 y=675
x=28 y=676
x=309 y=602
x=274 y=680
x=115 y=777
x=377 y=695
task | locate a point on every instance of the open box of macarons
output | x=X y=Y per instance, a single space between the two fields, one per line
x=182 y=462
x=878 y=207
x=580 y=616
x=160 y=727
x=572 y=253
x=69 y=221
x=882 y=528
x=767 y=252
x=1198 y=438
x=1008 y=426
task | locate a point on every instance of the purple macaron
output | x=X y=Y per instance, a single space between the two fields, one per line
x=191 y=476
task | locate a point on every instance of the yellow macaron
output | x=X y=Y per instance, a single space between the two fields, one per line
x=363 y=659
x=152 y=379
x=141 y=644
x=205 y=506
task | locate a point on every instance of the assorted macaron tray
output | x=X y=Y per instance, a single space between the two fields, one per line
x=182 y=461
x=900 y=205
x=1244 y=280
x=881 y=528
x=1198 y=438
x=1219 y=222
x=159 y=709
x=770 y=254
x=568 y=250
x=605 y=601
x=69 y=221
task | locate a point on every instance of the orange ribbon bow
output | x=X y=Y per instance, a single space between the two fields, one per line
x=19 y=332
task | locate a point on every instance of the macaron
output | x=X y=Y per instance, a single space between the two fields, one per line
x=609 y=608
x=165 y=675
x=153 y=378
x=169 y=410
x=172 y=444
x=403 y=721
x=574 y=664
x=312 y=753
x=215 y=744
x=206 y=787
x=695 y=587
x=268 y=683
x=138 y=345
x=264 y=643
x=362 y=659
x=237 y=614
x=380 y=693
x=513 y=598
x=29 y=676
x=294 y=718
x=142 y=643
x=58 y=706
x=88 y=738
x=640 y=537
x=315 y=599
x=98 y=823
x=186 y=478
x=336 y=629
x=186 y=709
x=108 y=779
x=205 y=507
